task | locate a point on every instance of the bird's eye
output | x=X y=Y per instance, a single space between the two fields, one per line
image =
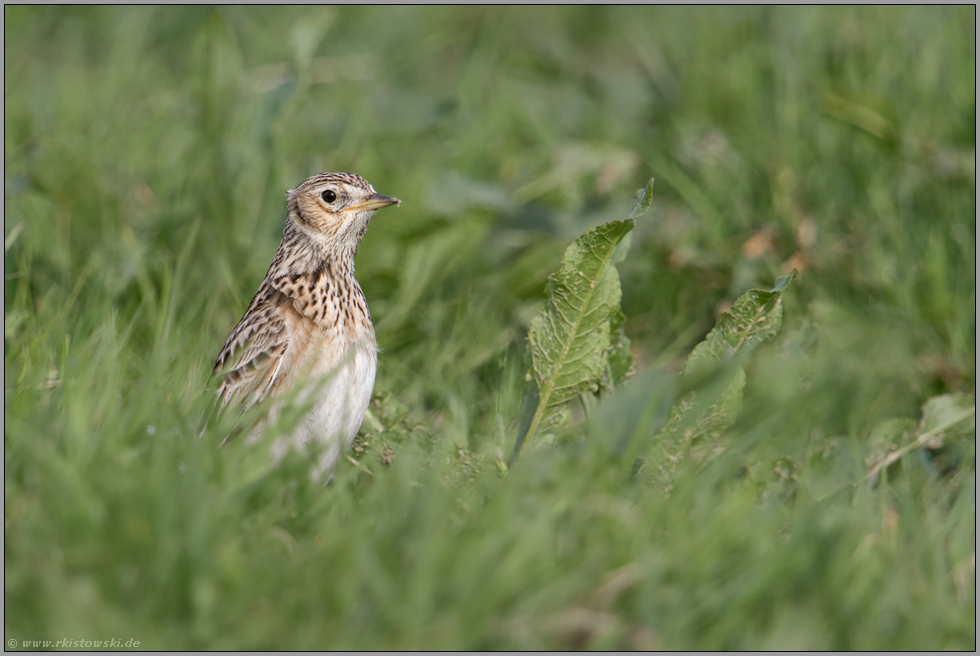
x=329 y=196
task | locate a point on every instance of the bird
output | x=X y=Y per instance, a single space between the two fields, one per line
x=307 y=334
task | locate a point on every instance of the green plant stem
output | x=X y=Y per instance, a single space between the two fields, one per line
x=535 y=420
x=917 y=443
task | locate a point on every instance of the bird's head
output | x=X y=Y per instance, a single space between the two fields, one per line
x=334 y=209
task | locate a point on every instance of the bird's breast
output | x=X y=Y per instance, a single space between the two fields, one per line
x=344 y=380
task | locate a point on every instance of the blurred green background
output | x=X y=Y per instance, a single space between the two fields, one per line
x=147 y=152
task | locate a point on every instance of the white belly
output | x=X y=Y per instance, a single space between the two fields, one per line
x=342 y=391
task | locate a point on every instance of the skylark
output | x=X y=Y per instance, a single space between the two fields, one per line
x=308 y=328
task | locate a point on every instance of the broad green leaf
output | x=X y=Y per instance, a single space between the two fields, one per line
x=704 y=414
x=755 y=317
x=577 y=342
x=569 y=340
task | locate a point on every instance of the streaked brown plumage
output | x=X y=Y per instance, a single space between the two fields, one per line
x=309 y=324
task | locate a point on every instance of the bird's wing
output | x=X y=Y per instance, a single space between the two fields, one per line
x=252 y=358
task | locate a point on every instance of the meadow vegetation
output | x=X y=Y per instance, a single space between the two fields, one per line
x=147 y=152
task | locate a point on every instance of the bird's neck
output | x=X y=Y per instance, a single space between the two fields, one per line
x=315 y=275
x=300 y=254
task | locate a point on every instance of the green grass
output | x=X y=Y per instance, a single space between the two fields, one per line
x=147 y=153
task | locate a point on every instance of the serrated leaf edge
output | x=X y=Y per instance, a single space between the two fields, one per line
x=545 y=390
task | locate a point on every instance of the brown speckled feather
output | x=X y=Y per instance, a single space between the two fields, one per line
x=248 y=361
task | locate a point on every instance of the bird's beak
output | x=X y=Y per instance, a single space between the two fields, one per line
x=375 y=202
